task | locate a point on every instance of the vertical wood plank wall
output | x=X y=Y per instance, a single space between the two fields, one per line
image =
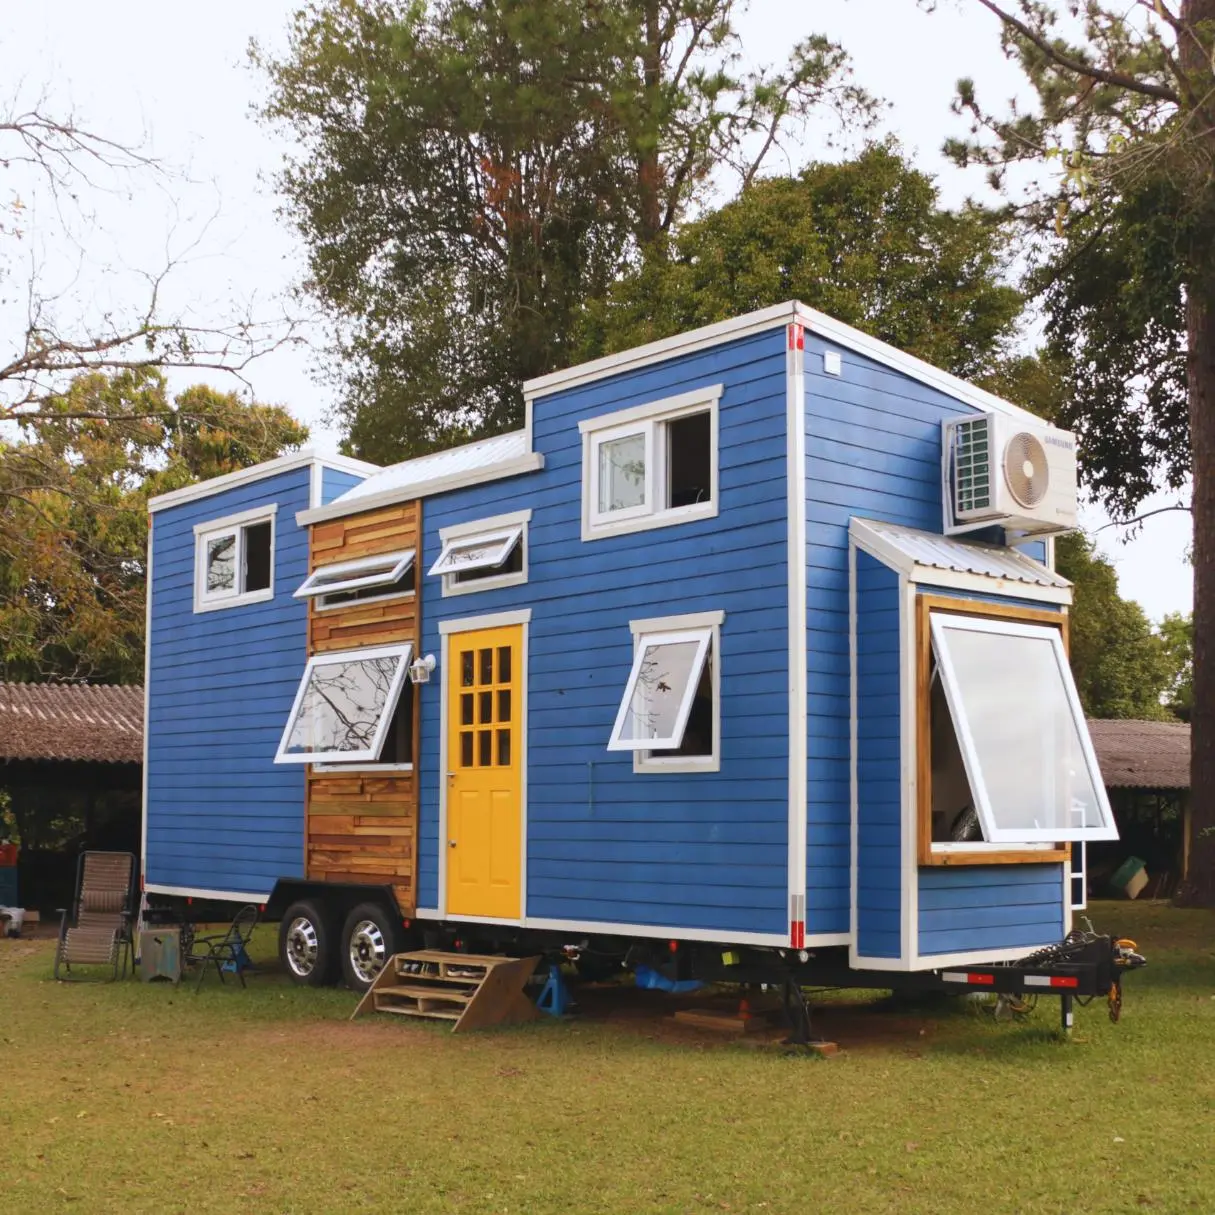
x=362 y=826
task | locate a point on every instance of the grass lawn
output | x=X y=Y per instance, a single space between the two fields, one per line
x=139 y=1098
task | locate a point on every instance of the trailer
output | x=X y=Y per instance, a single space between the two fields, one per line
x=744 y=656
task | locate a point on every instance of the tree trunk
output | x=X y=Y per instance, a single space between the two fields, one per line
x=649 y=163
x=1199 y=888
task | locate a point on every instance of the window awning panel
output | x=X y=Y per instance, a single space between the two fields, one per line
x=1024 y=741
x=358 y=575
x=658 y=696
x=485 y=550
x=344 y=705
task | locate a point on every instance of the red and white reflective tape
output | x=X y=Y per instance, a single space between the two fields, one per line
x=968 y=977
x=1051 y=981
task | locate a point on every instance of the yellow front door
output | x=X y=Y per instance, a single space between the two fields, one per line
x=484 y=803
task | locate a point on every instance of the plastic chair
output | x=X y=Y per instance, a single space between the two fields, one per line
x=96 y=930
x=225 y=951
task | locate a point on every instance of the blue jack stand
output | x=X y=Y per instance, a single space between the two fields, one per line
x=555 y=998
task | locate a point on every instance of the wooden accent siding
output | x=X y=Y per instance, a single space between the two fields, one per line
x=362 y=825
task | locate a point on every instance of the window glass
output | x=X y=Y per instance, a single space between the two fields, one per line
x=340 y=712
x=689 y=459
x=257 y=557
x=221 y=564
x=1019 y=729
x=662 y=685
x=622 y=473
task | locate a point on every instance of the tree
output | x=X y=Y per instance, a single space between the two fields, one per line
x=470 y=173
x=62 y=161
x=865 y=241
x=73 y=522
x=1126 y=113
x=1121 y=667
x=1177 y=636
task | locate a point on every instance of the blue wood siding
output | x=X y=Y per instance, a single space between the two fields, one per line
x=336 y=481
x=879 y=861
x=604 y=844
x=221 y=815
x=873 y=449
x=989 y=907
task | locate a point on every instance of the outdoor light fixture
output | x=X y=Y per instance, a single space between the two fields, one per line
x=420 y=669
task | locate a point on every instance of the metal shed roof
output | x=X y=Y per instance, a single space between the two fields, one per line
x=1142 y=754
x=82 y=722
x=925 y=556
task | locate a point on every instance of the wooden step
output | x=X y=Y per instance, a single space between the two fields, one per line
x=493 y=995
x=427 y=993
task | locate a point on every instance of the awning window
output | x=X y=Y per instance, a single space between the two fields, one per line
x=485 y=550
x=1021 y=731
x=361 y=575
x=661 y=687
x=344 y=705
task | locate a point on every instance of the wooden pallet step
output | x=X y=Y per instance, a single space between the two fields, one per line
x=401 y=1011
x=456 y=959
x=425 y=993
x=434 y=977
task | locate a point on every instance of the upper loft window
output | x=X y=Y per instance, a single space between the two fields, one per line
x=1011 y=765
x=367 y=579
x=346 y=709
x=670 y=715
x=483 y=554
x=650 y=466
x=234 y=560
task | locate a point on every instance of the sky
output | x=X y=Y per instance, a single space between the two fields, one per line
x=176 y=81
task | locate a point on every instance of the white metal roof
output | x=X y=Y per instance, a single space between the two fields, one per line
x=948 y=561
x=486 y=459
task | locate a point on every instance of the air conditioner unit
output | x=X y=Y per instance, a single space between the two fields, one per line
x=1009 y=473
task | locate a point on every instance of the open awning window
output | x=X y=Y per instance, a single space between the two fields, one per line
x=486 y=550
x=1024 y=742
x=344 y=705
x=362 y=575
x=662 y=685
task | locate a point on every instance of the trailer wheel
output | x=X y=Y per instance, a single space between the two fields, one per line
x=305 y=946
x=370 y=936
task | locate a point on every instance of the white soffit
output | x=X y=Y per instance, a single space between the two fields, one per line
x=926 y=557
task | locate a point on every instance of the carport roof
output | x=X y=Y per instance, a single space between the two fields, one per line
x=92 y=723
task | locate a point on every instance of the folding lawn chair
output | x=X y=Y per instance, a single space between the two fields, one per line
x=96 y=930
x=224 y=951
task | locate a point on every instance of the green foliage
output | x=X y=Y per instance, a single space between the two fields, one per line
x=73 y=532
x=1122 y=668
x=470 y=173
x=1177 y=634
x=865 y=241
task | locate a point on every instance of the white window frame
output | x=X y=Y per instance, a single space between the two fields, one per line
x=512 y=528
x=649 y=421
x=231 y=525
x=703 y=628
x=344 y=760
x=996 y=837
x=342 y=576
x=656 y=761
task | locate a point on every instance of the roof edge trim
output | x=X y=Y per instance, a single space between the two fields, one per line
x=342 y=508
x=306 y=456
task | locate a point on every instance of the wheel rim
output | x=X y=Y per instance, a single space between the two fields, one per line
x=302 y=946
x=368 y=950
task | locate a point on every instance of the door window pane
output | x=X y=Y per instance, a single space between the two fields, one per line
x=486 y=663
x=504 y=664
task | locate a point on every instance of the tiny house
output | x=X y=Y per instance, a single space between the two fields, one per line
x=748 y=640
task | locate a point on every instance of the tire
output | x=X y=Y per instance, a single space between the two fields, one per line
x=370 y=936
x=306 y=945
